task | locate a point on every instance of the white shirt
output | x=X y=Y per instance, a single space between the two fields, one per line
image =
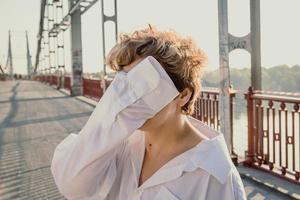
x=104 y=160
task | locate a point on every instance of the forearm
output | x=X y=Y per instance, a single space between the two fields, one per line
x=81 y=162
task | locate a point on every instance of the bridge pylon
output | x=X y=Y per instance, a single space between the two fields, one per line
x=28 y=55
x=9 y=62
x=228 y=43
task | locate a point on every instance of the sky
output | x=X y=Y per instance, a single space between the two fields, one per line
x=196 y=18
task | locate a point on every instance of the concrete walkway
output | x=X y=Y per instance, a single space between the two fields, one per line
x=263 y=185
x=34 y=118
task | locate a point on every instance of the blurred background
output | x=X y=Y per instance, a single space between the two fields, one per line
x=62 y=44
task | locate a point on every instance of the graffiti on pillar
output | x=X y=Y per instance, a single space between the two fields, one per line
x=238 y=45
x=223 y=52
x=77 y=69
x=77 y=64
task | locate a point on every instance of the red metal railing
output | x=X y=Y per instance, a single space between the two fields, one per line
x=48 y=79
x=274 y=133
x=207 y=107
x=67 y=83
x=2 y=78
x=51 y=80
x=207 y=110
x=54 y=80
x=91 y=88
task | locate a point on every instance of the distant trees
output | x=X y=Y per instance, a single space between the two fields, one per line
x=278 y=78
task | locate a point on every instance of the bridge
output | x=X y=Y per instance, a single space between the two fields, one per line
x=35 y=117
x=37 y=113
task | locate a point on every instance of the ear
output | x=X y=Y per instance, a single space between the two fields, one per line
x=184 y=97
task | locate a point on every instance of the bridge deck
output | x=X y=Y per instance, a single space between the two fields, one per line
x=34 y=118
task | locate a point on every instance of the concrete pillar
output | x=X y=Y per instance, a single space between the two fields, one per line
x=228 y=43
x=105 y=19
x=224 y=98
x=9 y=62
x=256 y=62
x=76 y=50
x=29 y=64
x=255 y=44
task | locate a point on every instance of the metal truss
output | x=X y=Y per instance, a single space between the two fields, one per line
x=64 y=24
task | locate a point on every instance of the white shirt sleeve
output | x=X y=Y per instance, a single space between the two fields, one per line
x=238 y=186
x=86 y=164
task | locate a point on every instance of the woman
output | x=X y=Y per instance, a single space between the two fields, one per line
x=141 y=141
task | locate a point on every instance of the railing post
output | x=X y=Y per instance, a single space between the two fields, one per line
x=234 y=156
x=58 y=81
x=250 y=154
x=62 y=81
x=84 y=86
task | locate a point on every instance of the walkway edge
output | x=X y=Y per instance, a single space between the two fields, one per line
x=86 y=100
x=259 y=181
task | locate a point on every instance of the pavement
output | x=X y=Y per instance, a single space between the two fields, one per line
x=35 y=117
x=266 y=185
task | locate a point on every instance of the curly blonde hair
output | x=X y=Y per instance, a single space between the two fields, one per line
x=179 y=56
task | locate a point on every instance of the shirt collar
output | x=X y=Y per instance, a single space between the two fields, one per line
x=210 y=155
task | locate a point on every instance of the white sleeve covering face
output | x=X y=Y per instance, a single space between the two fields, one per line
x=85 y=163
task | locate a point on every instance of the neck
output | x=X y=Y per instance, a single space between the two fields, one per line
x=166 y=138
